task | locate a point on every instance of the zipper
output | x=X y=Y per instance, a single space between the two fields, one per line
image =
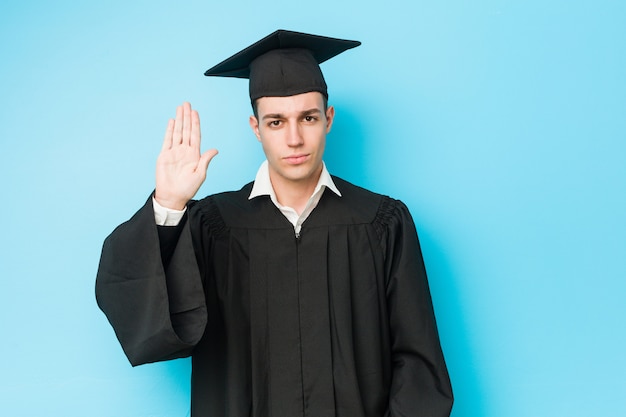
x=300 y=321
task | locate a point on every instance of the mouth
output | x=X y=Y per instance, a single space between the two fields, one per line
x=296 y=159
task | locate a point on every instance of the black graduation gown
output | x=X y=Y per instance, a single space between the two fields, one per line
x=337 y=322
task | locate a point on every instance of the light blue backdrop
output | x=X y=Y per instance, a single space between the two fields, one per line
x=501 y=124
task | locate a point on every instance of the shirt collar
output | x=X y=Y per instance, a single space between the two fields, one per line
x=263 y=186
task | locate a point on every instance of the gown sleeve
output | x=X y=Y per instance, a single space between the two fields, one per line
x=420 y=383
x=157 y=309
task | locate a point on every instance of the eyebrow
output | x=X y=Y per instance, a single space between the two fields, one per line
x=302 y=113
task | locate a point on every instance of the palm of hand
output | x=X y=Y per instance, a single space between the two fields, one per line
x=181 y=169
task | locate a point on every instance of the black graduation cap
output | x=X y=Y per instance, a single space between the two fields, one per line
x=284 y=63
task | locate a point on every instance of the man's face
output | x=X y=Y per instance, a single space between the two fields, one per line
x=292 y=131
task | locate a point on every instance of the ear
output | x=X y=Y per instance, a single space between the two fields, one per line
x=254 y=125
x=330 y=116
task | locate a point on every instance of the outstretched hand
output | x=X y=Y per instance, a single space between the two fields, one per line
x=180 y=168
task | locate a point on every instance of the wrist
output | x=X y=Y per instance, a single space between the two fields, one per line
x=172 y=204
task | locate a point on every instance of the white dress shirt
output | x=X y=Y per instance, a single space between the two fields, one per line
x=262 y=186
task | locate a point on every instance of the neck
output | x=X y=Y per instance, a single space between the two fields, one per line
x=294 y=194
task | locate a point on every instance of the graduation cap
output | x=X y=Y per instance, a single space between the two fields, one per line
x=284 y=63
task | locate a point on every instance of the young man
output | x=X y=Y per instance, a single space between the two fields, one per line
x=298 y=295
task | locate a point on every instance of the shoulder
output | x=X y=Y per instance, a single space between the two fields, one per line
x=226 y=199
x=234 y=209
x=214 y=211
x=356 y=202
x=369 y=207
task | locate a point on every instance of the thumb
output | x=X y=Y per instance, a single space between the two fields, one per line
x=205 y=159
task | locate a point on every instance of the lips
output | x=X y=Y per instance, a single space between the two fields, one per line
x=296 y=159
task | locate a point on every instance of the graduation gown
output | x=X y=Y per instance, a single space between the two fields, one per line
x=337 y=322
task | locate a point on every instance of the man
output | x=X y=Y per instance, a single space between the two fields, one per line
x=298 y=295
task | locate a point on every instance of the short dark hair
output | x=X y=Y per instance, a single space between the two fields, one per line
x=256 y=111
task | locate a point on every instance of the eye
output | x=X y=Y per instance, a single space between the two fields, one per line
x=310 y=119
x=274 y=123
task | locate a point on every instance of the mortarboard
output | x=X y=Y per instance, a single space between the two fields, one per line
x=284 y=63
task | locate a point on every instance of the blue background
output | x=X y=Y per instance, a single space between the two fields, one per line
x=501 y=124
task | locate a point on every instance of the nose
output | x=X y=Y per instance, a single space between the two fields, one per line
x=294 y=135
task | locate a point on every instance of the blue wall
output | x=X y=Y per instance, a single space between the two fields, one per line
x=501 y=124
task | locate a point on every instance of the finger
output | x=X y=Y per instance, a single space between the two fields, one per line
x=169 y=131
x=205 y=159
x=195 y=130
x=186 y=123
x=178 y=126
